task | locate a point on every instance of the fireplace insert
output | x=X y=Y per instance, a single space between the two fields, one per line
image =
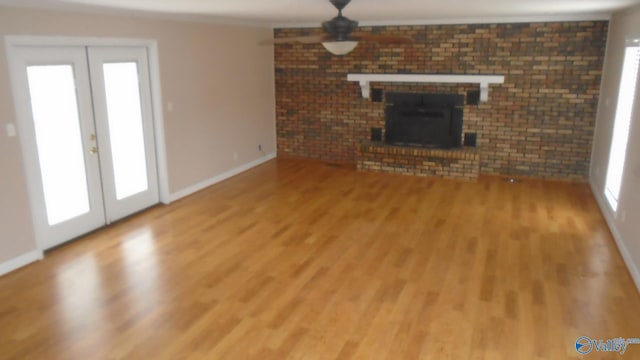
x=426 y=120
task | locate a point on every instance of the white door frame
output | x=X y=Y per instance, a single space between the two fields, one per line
x=14 y=41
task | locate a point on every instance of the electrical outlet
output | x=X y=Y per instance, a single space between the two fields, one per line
x=235 y=156
x=259 y=147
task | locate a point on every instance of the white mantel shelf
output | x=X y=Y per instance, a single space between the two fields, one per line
x=483 y=80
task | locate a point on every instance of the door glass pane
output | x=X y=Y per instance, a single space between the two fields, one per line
x=59 y=141
x=125 y=128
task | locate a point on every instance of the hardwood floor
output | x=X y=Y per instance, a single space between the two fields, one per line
x=304 y=260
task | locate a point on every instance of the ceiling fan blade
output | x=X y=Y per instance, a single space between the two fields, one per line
x=383 y=39
x=312 y=39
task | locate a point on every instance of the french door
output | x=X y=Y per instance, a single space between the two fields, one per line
x=85 y=118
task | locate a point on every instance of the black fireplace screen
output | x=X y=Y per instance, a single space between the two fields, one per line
x=428 y=120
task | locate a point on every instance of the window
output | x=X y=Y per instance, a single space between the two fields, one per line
x=622 y=122
x=624 y=109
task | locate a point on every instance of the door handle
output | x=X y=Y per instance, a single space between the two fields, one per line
x=93 y=150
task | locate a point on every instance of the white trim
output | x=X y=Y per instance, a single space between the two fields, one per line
x=483 y=80
x=158 y=123
x=224 y=176
x=20 y=261
x=27 y=144
x=29 y=40
x=463 y=21
x=139 y=14
x=609 y=218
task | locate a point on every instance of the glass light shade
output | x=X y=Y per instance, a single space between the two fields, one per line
x=340 y=47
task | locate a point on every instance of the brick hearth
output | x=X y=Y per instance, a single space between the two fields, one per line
x=459 y=163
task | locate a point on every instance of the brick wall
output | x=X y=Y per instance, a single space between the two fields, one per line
x=539 y=123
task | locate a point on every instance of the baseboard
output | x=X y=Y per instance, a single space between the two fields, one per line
x=216 y=179
x=20 y=261
x=609 y=218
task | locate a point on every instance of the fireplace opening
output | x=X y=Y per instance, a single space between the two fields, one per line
x=425 y=120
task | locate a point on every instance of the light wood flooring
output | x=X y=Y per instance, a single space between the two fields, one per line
x=305 y=260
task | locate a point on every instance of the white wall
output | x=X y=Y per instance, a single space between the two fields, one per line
x=219 y=80
x=625 y=223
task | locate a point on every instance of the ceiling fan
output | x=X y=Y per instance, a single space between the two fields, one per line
x=339 y=39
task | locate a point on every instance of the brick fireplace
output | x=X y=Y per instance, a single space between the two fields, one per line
x=538 y=123
x=422 y=137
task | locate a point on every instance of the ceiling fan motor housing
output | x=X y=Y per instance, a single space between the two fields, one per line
x=340 y=27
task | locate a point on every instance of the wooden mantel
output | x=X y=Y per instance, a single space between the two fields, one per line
x=483 y=80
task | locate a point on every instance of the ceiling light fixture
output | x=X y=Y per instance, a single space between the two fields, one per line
x=340 y=48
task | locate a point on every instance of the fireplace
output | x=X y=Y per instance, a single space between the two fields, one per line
x=425 y=120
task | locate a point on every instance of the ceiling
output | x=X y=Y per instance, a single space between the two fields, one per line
x=369 y=12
